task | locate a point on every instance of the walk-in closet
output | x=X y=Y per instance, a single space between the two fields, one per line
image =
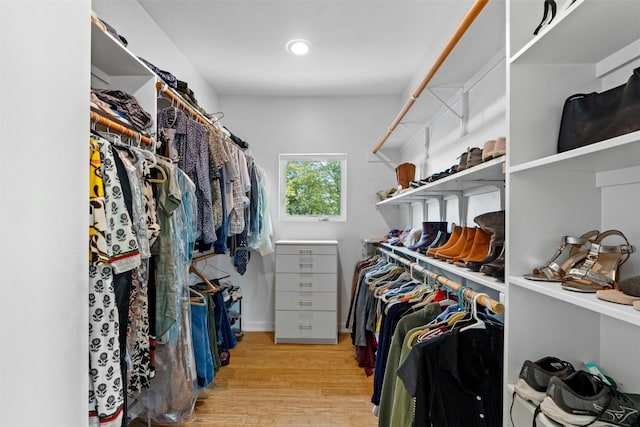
x=391 y=213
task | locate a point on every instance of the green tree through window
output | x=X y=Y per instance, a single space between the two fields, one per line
x=313 y=186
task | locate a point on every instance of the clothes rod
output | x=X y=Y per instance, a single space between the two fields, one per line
x=110 y=124
x=491 y=304
x=466 y=22
x=162 y=87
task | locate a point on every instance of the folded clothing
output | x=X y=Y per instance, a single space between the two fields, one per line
x=126 y=104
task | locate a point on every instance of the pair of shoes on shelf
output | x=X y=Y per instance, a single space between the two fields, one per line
x=474 y=247
x=575 y=398
x=494 y=148
x=430 y=233
x=385 y=194
x=460 y=247
x=590 y=266
x=438 y=175
x=470 y=158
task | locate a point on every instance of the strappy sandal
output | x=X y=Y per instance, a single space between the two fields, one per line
x=601 y=267
x=551 y=271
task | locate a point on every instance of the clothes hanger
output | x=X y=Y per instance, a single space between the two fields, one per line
x=199 y=299
x=212 y=288
x=163 y=175
x=479 y=323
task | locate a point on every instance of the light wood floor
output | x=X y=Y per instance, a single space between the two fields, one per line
x=288 y=385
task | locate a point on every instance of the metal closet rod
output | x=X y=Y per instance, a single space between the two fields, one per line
x=162 y=87
x=115 y=126
x=490 y=303
x=464 y=25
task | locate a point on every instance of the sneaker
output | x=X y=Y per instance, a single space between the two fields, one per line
x=583 y=399
x=535 y=376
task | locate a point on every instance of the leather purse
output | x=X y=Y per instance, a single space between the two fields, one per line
x=594 y=117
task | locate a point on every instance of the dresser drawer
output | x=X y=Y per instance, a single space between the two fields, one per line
x=308 y=282
x=306 y=326
x=306 y=301
x=306 y=264
x=302 y=249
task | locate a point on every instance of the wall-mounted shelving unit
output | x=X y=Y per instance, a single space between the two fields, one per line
x=554 y=194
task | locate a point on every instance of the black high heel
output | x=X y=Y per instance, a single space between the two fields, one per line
x=549 y=5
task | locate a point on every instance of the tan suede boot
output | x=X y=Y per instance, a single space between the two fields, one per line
x=479 y=250
x=471 y=237
x=456 y=249
x=453 y=239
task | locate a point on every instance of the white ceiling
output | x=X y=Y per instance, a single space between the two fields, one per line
x=372 y=47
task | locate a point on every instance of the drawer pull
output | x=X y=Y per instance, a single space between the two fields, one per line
x=306 y=303
x=305 y=251
x=306 y=284
x=306 y=326
x=310 y=264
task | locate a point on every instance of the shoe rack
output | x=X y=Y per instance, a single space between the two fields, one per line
x=593 y=45
x=489 y=173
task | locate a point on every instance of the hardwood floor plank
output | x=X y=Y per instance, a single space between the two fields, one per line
x=287 y=385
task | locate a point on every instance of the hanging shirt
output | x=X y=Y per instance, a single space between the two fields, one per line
x=456 y=378
x=169 y=199
x=98 y=249
x=124 y=254
x=191 y=141
x=387 y=401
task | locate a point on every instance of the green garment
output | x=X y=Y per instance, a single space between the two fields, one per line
x=169 y=198
x=395 y=403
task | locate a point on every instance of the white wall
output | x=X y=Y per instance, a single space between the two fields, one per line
x=44 y=69
x=147 y=40
x=486 y=121
x=310 y=125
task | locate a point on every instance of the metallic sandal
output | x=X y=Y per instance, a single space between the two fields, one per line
x=551 y=271
x=601 y=267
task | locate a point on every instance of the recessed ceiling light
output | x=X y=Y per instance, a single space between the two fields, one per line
x=299 y=47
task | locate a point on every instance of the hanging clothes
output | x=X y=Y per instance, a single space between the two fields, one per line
x=111 y=230
x=456 y=378
x=191 y=142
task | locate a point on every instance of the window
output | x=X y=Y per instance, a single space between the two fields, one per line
x=313 y=187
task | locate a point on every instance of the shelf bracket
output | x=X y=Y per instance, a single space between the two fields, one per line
x=462 y=206
x=463 y=115
x=384 y=159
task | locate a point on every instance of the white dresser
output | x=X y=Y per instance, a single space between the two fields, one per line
x=306 y=291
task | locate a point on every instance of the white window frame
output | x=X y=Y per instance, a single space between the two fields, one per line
x=284 y=158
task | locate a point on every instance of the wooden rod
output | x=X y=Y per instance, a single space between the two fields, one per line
x=115 y=126
x=490 y=303
x=464 y=25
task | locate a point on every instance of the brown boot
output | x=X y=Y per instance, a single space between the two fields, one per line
x=453 y=239
x=456 y=249
x=471 y=237
x=478 y=251
x=492 y=223
x=405 y=173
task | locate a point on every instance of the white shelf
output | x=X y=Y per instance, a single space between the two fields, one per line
x=528 y=408
x=112 y=58
x=615 y=153
x=487 y=173
x=590 y=302
x=439 y=265
x=577 y=36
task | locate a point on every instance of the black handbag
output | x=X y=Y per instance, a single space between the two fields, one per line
x=594 y=117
